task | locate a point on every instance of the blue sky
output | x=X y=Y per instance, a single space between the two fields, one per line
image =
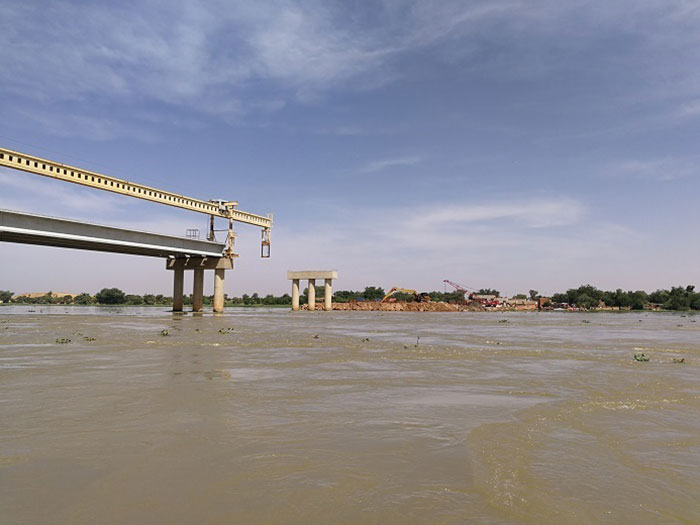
x=503 y=144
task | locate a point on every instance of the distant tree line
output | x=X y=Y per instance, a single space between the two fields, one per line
x=586 y=296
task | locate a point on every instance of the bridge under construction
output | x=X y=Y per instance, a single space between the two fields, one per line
x=180 y=253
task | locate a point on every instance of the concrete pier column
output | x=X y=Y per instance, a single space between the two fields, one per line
x=312 y=294
x=178 y=287
x=327 y=295
x=198 y=290
x=295 y=294
x=219 y=290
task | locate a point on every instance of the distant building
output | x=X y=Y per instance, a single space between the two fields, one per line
x=522 y=304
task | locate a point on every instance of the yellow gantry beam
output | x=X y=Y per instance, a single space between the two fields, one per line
x=56 y=170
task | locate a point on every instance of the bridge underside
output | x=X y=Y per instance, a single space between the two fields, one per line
x=181 y=253
x=28 y=228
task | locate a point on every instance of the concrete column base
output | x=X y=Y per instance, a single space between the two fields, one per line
x=219 y=290
x=328 y=295
x=198 y=290
x=295 y=294
x=312 y=294
x=178 y=288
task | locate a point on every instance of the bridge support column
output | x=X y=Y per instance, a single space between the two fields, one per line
x=219 y=290
x=327 y=295
x=198 y=290
x=312 y=294
x=295 y=294
x=178 y=287
x=311 y=276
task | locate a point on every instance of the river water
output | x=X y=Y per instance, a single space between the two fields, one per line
x=312 y=417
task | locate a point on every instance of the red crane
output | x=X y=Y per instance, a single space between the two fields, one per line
x=458 y=287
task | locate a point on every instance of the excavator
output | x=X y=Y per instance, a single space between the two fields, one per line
x=417 y=297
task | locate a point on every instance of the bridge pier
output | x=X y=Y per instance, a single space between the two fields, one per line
x=312 y=294
x=295 y=294
x=198 y=265
x=178 y=287
x=198 y=290
x=312 y=275
x=219 y=275
x=328 y=295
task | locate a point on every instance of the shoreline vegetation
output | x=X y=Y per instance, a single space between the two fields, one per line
x=583 y=298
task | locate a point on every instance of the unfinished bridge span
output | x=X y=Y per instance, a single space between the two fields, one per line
x=180 y=253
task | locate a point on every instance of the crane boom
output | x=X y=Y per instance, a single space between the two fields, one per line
x=456 y=286
x=56 y=170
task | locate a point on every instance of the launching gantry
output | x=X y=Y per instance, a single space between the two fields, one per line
x=214 y=208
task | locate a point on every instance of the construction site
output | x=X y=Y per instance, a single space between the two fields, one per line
x=409 y=300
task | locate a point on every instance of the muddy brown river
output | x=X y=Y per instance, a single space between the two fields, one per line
x=268 y=416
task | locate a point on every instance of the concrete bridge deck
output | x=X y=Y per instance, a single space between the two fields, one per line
x=27 y=228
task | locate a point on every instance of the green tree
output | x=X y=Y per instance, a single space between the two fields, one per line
x=345 y=296
x=586 y=301
x=133 y=299
x=638 y=299
x=659 y=296
x=83 y=298
x=534 y=294
x=489 y=291
x=110 y=296
x=373 y=293
x=5 y=296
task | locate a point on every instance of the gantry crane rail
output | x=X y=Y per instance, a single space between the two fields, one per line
x=215 y=208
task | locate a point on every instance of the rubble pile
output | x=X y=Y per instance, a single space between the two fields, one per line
x=403 y=306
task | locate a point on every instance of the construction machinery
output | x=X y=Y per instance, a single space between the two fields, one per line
x=472 y=296
x=465 y=291
x=225 y=209
x=418 y=297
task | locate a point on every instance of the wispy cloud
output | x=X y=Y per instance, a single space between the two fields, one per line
x=689 y=109
x=230 y=58
x=664 y=169
x=531 y=214
x=385 y=164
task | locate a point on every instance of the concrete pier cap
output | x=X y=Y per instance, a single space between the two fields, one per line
x=311 y=276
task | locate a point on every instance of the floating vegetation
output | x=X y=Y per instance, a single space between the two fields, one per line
x=316 y=336
x=678 y=360
x=226 y=330
x=365 y=339
x=503 y=321
x=62 y=341
x=164 y=332
x=641 y=357
x=586 y=321
x=88 y=338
